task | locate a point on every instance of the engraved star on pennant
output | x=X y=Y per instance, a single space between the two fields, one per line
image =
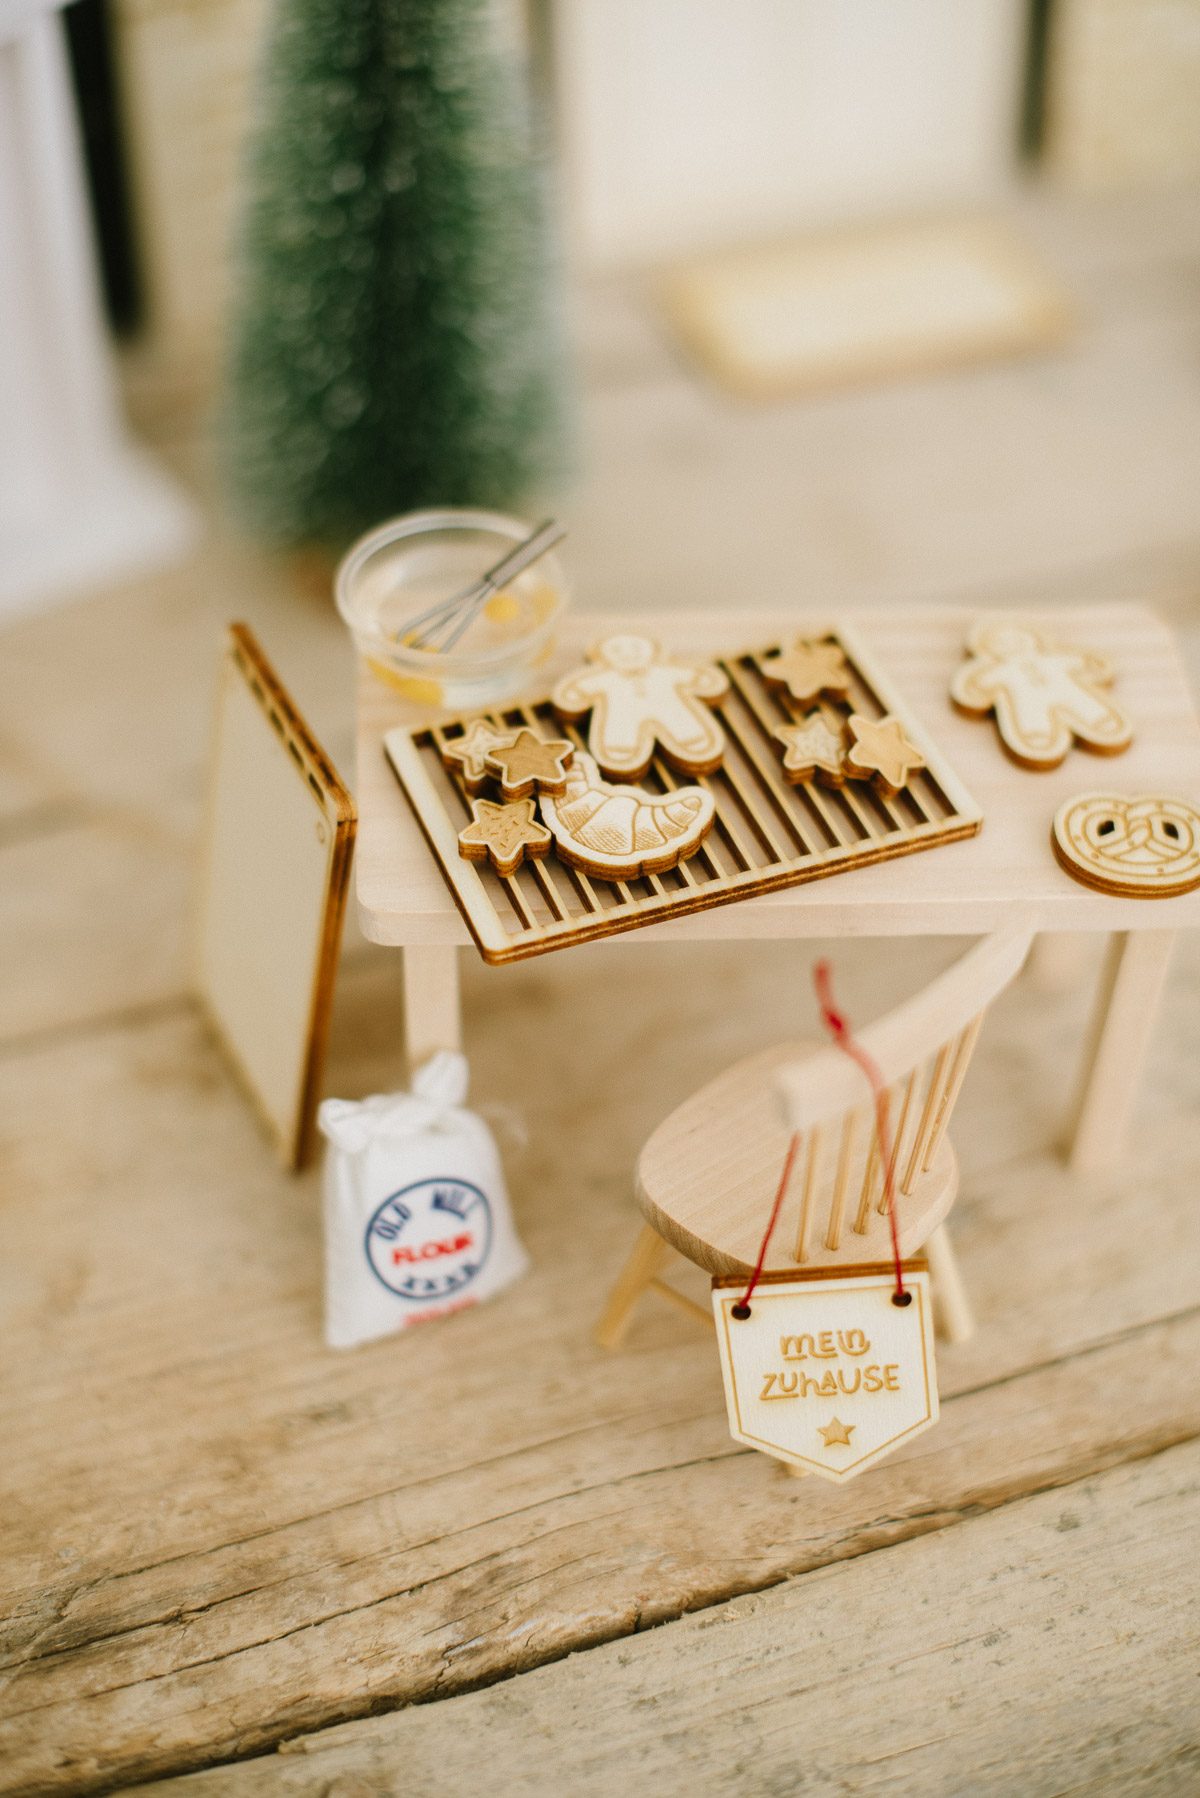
x=807 y=670
x=881 y=751
x=835 y=1433
x=503 y=834
x=528 y=764
x=812 y=747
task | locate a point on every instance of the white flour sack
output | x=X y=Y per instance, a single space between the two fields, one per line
x=417 y=1222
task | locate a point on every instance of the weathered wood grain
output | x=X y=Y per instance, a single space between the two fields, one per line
x=220 y=1534
x=1002 y=1656
x=216 y=1534
x=94 y=910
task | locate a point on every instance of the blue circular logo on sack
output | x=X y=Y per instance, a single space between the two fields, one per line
x=430 y=1239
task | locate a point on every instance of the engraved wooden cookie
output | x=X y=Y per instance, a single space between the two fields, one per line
x=807 y=671
x=881 y=750
x=469 y=752
x=641 y=702
x=811 y=747
x=621 y=831
x=1145 y=848
x=529 y=764
x=1045 y=694
x=503 y=834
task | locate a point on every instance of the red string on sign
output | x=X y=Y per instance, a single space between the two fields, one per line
x=839 y=1029
x=742 y=1308
x=844 y=1038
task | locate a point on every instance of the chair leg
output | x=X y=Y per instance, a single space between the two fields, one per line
x=649 y=1253
x=952 y=1307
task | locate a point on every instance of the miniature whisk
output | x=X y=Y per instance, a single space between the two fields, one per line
x=440 y=628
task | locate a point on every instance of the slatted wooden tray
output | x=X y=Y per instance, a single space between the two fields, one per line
x=767 y=832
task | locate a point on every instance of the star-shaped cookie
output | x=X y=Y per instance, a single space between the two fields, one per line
x=811 y=747
x=528 y=764
x=807 y=670
x=881 y=751
x=503 y=834
x=469 y=752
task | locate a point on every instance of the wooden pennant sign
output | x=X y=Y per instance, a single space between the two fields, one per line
x=827 y=1373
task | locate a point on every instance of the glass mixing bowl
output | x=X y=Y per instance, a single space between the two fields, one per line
x=403 y=568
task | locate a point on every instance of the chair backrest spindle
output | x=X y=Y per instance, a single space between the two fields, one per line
x=850 y=1129
x=906 y=1105
x=813 y=1148
x=707 y=1177
x=924 y=1127
x=964 y=1050
x=924 y=1049
x=866 y=1192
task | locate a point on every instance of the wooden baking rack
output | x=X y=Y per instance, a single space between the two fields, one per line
x=767 y=833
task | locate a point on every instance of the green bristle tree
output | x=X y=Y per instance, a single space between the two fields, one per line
x=396 y=337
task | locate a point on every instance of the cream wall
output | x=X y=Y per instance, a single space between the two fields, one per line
x=1124 y=92
x=682 y=122
x=692 y=122
x=685 y=123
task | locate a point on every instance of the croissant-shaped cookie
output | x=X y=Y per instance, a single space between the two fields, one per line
x=619 y=832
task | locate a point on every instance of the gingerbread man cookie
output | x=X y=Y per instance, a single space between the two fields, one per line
x=529 y=764
x=1045 y=694
x=469 y=752
x=1148 y=848
x=806 y=671
x=643 y=702
x=812 y=747
x=503 y=834
x=880 y=750
x=621 y=831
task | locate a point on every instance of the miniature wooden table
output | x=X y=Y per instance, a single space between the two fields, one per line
x=1005 y=875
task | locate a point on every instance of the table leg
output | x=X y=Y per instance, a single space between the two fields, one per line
x=432 y=1016
x=1126 y=1006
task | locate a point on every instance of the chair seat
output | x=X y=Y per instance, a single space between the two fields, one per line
x=707 y=1177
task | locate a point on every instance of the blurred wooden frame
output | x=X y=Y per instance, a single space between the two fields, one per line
x=882 y=301
x=275 y=868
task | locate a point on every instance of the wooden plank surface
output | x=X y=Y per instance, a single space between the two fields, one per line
x=248 y=1536
x=824 y=1682
x=217 y=1535
x=1005 y=875
x=87 y=937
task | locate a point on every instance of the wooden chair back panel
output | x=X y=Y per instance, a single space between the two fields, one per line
x=705 y=1177
x=839 y=1188
x=826 y=1083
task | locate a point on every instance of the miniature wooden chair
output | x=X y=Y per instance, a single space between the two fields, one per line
x=706 y=1178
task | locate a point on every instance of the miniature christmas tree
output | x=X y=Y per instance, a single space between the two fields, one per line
x=395 y=342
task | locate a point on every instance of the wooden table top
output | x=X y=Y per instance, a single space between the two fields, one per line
x=1007 y=874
